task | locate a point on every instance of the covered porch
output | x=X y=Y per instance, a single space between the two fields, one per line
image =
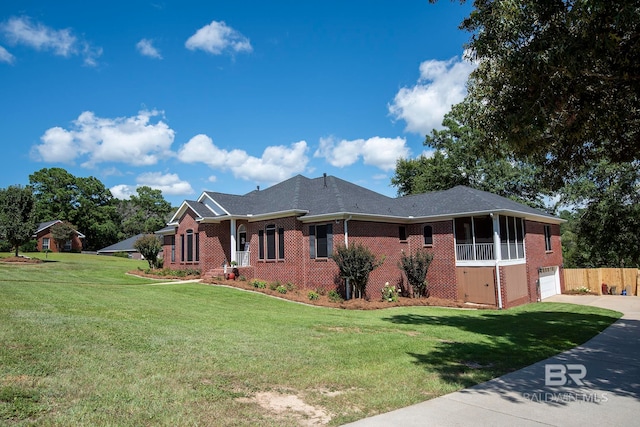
x=488 y=238
x=239 y=244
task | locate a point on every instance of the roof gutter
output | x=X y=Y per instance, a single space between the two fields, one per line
x=252 y=217
x=427 y=218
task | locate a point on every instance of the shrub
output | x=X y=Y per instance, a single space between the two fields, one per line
x=356 y=262
x=5 y=246
x=121 y=254
x=281 y=289
x=334 y=296
x=389 y=293
x=313 y=295
x=290 y=286
x=274 y=285
x=30 y=246
x=416 y=266
x=259 y=284
x=149 y=246
x=160 y=264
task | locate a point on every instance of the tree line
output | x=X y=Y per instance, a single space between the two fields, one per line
x=83 y=203
x=551 y=119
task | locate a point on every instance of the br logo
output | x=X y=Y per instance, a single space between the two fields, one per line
x=560 y=374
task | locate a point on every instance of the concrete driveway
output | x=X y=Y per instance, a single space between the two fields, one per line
x=597 y=383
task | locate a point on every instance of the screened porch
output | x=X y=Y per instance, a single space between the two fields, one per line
x=489 y=238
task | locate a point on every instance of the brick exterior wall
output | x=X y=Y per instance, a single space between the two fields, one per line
x=383 y=239
x=537 y=256
x=76 y=242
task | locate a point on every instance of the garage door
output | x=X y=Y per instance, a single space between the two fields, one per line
x=549 y=282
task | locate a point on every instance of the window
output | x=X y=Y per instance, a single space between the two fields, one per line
x=547 y=238
x=173 y=248
x=45 y=243
x=271 y=241
x=191 y=247
x=67 y=245
x=197 y=246
x=427 y=233
x=320 y=241
x=260 y=244
x=402 y=233
x=281 y=243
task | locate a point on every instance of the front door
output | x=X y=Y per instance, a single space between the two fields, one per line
x=242 y=240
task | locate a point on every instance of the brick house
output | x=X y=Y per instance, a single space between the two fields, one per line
x=487 y=249
x=45 y=240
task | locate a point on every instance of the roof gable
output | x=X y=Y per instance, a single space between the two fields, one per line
x=48 y=224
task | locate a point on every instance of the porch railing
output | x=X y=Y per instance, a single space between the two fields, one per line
x=243 y=258
x=477 y=252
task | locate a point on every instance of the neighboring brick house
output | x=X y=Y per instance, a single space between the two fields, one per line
x=45 y=240
x=487 y=249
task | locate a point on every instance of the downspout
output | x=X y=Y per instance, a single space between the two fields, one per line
x=346 y=244
x=497 y=255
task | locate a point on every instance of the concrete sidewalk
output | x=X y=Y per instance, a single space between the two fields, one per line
x=609 y=396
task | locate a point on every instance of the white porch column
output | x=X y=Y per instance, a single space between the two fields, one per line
x=233 y=232
x=497 y=254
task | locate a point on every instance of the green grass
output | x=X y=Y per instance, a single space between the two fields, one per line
x=81 y=343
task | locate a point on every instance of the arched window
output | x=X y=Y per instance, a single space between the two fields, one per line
x=427 y=233
x=191 y=246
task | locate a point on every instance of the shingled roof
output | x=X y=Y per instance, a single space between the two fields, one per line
x=327 y=196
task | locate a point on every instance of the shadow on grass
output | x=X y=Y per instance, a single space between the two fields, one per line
x=510 y=340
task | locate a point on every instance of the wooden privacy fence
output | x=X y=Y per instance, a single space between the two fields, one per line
x=616 y=279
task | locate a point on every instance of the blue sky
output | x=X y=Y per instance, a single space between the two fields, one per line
x=224 y=95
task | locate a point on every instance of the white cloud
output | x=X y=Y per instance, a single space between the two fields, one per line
x=276 y=164
x=90 y=54
x=217 y=37
x=132 y=140
x=146 y=48
x=123 y=191
x=6 y=56
x=43 y=38
x=379 y=152
x=441 y=85
x=170 y=184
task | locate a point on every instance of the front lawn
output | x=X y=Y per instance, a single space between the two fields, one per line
x=81 y=343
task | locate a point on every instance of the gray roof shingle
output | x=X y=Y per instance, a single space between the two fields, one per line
x=124 y=245
x=329 y=195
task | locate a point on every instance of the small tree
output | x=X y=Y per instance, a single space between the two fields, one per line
x=62 y=232
x=356 y=262
x=415 y=267
x=17 y=221
x=149 y=246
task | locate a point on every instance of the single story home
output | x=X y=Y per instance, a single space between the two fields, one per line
x=124 y=246
x=46 y=242
x=487 y=249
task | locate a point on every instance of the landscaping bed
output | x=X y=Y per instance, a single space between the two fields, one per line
x=321 y=298
x=21 y=259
